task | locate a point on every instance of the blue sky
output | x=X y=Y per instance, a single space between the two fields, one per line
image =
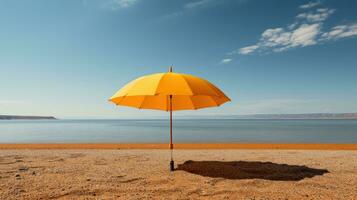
x=66 y=58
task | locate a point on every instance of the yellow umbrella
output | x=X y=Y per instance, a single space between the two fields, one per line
x=169 y=92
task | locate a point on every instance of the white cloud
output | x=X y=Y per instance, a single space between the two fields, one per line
x=310 y=5
x=248 y=49
x=280 y=39
x=190 y=6
x=306 y=30
x=292 y=26
x=340 y=31
x=226 y=60
x=305 y=35
x=275 y=37
x=119 y=4
x=196 y=4
x=320 y=15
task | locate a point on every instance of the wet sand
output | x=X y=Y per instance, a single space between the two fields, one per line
x=200 y=174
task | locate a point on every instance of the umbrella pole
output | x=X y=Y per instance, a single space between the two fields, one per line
x=171 y=145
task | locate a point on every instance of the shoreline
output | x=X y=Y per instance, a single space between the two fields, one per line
x=257 y=146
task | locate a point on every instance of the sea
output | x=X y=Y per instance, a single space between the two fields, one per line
x=184 y=131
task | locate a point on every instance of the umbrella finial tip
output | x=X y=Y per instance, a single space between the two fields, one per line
x=170 y=69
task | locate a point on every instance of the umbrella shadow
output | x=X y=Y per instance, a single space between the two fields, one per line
x=250 y=170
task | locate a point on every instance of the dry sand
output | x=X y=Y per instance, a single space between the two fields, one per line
x=201 y=174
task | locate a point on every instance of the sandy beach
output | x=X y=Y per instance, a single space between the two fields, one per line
x=200 y=174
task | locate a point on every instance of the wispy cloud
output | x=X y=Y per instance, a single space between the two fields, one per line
x=340 y=31
x=305 y=30
x=191 y=6
x=226 y=60
x=119 y=4
x=196 y=5
x=280 y=39
x=318 y=16
x=248 y=49
x=310 y=5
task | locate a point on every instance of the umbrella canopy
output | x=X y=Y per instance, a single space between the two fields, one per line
x=153 y=92
x=169 y=92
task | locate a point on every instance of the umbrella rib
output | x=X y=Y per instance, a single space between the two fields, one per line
x=210 y=85
x=121 y=100
x=193 y=105
x=188 y=85
x=214 y=101
x=142 y=102
x=158 y=83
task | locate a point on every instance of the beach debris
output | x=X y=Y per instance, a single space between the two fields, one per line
x=76 y=155
x=130 y=180
x=57 y=160
x=17 y=176
x=19 y=190
x=23 y=168
x=18 y=157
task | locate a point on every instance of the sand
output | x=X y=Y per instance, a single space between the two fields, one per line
x=200 y=174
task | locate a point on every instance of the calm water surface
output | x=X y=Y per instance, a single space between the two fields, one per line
x=193 y=130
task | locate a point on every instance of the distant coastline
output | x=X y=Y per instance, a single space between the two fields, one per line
x=17 y=117
x=302 y=116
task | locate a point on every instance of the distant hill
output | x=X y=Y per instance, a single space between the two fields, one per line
x=11 y=117
x=299 y=116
